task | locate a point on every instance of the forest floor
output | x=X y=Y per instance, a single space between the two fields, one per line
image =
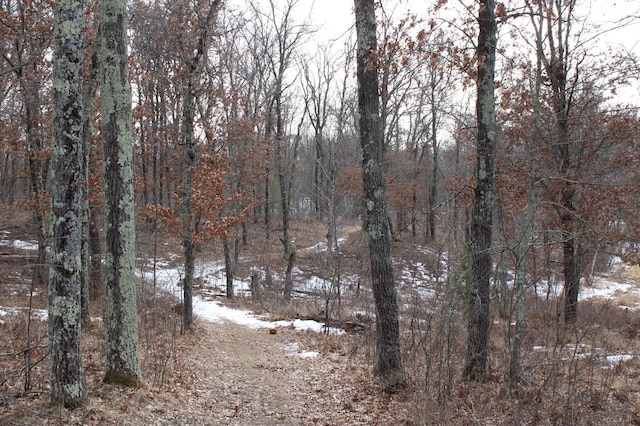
x=229 y=374
x=224 y=373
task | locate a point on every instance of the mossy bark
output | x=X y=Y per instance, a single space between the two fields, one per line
x=122 y=319
x=388 y=361
x=65 y=356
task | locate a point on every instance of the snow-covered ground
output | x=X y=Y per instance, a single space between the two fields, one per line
x=40 y=314
x=620 y=286
x=213 y=282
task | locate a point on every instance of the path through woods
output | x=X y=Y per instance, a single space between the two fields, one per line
x=229 y=374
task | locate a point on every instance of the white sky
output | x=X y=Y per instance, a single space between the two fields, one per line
x=332 y=19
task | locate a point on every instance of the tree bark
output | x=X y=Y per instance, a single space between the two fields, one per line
x=67 y=200
x=482 y=219
x=388 y=361
x=123 y=365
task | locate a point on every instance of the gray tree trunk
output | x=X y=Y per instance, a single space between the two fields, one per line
x=285 y=195
x=388 y=361
x=123 y=365
x=482 y=219
x=65 y=355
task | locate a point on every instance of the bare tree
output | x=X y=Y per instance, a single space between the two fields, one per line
x=318 y=75
x=280 y=38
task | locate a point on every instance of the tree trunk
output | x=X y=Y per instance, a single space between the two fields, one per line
x=482 y=220
x=65 y=355
x=89 y=276
x=188 y=221
x=433 y=194
x=228 y=267
x=571 y=264
x=187 y=213
x=284 y=197
x=123 y=365
x=318 y=174
x=388 y=361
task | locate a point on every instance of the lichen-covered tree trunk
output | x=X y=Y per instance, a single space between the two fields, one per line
x=482 y=219
x=388 y=361
x=567 y=209
x=123 y=365
x=65 y=356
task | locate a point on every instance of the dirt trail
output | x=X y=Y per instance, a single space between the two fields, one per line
x=233 y=375
x=247 y=376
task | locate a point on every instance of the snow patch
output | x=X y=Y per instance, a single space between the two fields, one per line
x=212 y=276
x=19 y=244
x=295 y=349
x=25 y=245
x=613 y=360
x=40 y=314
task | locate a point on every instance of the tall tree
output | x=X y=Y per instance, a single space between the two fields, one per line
x=65 y=361
x=388 y=361
x=194 y=66
x=123 y=364
x=482 y=217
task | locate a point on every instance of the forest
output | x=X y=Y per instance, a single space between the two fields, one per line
x=287 y=212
